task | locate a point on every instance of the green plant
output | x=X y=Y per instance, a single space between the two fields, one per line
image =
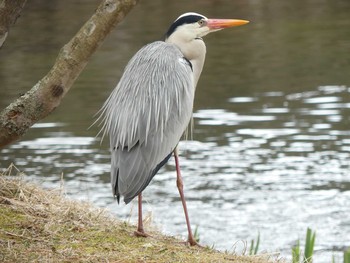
x=347 y=256
x=196 y=234
x=308 y=250
x=296 y=252
x=254 y=247
x=309 y=245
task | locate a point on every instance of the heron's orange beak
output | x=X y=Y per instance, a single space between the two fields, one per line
x=217 y=24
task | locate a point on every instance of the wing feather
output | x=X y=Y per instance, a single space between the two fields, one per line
x=146 y=114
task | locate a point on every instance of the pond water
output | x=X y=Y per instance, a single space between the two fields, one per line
x=270 y=150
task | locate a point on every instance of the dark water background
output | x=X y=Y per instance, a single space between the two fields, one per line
x=270 y=151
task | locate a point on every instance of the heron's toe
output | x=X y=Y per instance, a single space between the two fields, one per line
x=141 y=234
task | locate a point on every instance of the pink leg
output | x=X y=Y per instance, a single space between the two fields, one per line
x=179 y=183
x=140 y=231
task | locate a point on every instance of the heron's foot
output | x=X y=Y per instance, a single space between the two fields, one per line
x=193 y=242
x=141 y=233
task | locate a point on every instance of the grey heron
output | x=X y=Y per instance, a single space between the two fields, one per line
x=151 y=107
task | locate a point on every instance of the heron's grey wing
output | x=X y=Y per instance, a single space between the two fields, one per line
x=146 y=115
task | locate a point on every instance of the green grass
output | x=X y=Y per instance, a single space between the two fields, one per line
x=196 y=234
x=254 y=246
x=296 y=253
x=308 y=250
x=309 y=245
x=347 y=256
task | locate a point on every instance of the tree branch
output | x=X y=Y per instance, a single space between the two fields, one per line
x=9 y=12
x=46 y=95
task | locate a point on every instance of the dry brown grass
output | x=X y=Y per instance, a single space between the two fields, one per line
x=38 y=225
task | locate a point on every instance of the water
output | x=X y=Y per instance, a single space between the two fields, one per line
x=271 y=145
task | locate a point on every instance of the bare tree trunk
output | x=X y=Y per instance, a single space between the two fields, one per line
x=46 y=95
x=9 y=12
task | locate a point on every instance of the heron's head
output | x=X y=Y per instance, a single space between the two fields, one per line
x=191 y=26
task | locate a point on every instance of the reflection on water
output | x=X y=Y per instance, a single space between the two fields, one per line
x=276 y=174
x=271 y=144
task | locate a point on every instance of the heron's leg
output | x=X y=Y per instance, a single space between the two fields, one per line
x=140 y=231
x=179 y=183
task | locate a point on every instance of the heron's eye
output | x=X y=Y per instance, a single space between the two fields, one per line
x=201 y=22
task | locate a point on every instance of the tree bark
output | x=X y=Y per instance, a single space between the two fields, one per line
x=47 y=94
x=9 y=12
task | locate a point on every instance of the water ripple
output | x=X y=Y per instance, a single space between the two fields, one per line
x=271 y=161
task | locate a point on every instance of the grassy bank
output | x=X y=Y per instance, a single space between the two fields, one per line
x=38 y=225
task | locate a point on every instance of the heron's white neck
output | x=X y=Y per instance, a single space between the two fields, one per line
x=192 y=49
